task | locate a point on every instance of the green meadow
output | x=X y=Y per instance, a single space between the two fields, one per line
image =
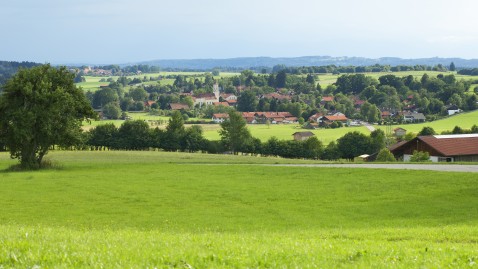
x=463 y=120
x=285 y=131
x=93 y=83
x=175 y=210
x=328 y=79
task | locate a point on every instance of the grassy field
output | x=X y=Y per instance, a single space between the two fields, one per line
x=464 y=120
x=167 y=210
x=93 y=83
x=261 y=131
x=285 y=131
x=327 y=79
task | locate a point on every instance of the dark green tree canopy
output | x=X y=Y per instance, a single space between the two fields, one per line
x=234 y=132
x=427 y=131
x=353 y=144
x=41 y=107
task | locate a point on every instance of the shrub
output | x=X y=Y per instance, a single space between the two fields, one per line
x=420 y=156
x=385 y=155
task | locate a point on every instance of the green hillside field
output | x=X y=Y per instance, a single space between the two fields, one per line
x=93 y=83
x=285 y=131
x=174 y=210
x=463 y=120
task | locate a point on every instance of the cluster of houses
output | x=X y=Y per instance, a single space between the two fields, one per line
x=260 y=117
x=215 y=98
x=320 y=120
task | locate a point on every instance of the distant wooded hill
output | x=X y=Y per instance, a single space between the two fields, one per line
x=7 y=69
x=268 y=62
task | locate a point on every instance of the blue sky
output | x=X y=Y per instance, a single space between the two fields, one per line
x=121 y=31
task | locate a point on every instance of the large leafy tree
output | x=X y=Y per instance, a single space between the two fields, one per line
x=234 y=133
x=247 y=101
x=353 y=144
x=41 y=107
x=175 y=132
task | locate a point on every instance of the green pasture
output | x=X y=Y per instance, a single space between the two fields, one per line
x=285 y=131
x=93 y=83
x=153 y=119
x=328 y=79
x=261 y=131
x=463 y=120
x=166 y=210
x=472 y=87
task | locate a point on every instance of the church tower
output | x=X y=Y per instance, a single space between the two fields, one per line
x=216 y=91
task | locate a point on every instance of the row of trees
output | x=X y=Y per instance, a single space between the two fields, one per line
x=358 y=69
x=235 y=138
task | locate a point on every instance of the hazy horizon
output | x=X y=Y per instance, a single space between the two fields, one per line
x=120 y=32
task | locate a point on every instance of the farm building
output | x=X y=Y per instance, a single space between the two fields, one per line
x=178 y=106
x=452 y=110
x=442 y=148
x=272 y=117
x=220 y=117
x=329 y=119
x=413 y=117
x=315 y=117
x=301 y=136
x=399 y=132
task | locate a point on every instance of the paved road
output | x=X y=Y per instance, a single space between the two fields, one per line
x=369 y=126
x=404 y=166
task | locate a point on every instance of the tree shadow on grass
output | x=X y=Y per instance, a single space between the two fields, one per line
x=45 y=165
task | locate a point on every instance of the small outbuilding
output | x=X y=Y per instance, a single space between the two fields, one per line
x=301 y=136
x=399 y=132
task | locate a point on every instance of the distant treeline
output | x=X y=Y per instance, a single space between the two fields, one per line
x=7 y=69
x=334 y=69
x=355 y=69
x=130 y=69
x=469 y=72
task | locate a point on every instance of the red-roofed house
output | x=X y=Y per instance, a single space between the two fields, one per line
x=205 y=99
x=220 y=117
x=277 y=96
x=327 y=99
x=442 y=148
x=228 y=96
x=220 y=104
x=328 y=119
x=386 y=114
x=232 y=102
x=315 y=117
x=358 y=103
x=149 y=103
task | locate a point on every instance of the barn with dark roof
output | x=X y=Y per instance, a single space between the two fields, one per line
x=442 y=148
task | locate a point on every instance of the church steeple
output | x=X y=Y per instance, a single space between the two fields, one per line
x=216 y=91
